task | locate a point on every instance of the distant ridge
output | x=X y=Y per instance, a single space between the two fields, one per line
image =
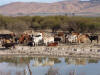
x=63 y=7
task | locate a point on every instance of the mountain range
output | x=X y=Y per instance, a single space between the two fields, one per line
x=33 y=8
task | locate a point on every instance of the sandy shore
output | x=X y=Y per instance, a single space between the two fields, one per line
x=58 y=51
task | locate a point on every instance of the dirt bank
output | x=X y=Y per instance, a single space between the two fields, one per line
x=59 y=51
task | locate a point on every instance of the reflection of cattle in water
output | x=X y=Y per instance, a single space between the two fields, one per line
x=95 y=37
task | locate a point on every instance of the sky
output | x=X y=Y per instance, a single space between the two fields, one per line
x=3 y=2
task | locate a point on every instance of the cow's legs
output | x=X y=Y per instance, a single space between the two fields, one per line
x=91 y=41
x=97 y=41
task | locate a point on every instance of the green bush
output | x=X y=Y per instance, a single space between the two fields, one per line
x=77 y=24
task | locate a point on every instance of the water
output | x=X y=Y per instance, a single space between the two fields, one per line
x=48 y=66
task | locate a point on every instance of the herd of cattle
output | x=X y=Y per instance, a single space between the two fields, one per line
x=10 y=40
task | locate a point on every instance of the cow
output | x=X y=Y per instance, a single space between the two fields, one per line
x=71 y=38
x=77 y=38
x=8 y=45
x=21 y=39
x=93 y=37
x=47 y=40
x=24 y=38
x=53 y=44
x=30 y=43
x=60 y=34
x=82 y=38
x=57 y=39
x=37 y=39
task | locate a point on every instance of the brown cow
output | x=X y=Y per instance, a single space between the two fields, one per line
x=82 y=38
x=23 y=38
x=60 y=33
x=74 y=33
x=53 y=44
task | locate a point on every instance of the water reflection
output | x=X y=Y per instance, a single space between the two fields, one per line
x=48 y=66
x=76 y=61
x=45 y=61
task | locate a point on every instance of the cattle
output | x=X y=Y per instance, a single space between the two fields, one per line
x=77 y=38
x=93 y=37
x=53 y=44
x=30 y=43
x=16 y=40
x=75 y=33
x=8 y=45
x=71 y=38
x=21 y=39
x=37 y=39
x=24 y=38
x=60 y=34
x=82 y=38
x=57 y=39
x=5 y=36
x=47 y=40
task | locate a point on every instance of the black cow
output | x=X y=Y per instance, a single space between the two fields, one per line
x=57 y=39
x=8 y=45
x=95 y=37
x=30 y=43
x=6 y=36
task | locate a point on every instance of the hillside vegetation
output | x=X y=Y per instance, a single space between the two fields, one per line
x=65 y=23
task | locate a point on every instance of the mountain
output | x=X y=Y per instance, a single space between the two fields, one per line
x=33 y=8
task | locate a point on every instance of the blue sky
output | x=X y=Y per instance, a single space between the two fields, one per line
x=2 y=2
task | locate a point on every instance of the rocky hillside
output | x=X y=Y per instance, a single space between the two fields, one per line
x=31 y=8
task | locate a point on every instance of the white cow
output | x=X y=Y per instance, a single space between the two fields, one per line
x=37 y=39
x=48 y=40
x=71 y=38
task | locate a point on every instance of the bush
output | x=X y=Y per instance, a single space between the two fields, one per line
x=77 y=24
